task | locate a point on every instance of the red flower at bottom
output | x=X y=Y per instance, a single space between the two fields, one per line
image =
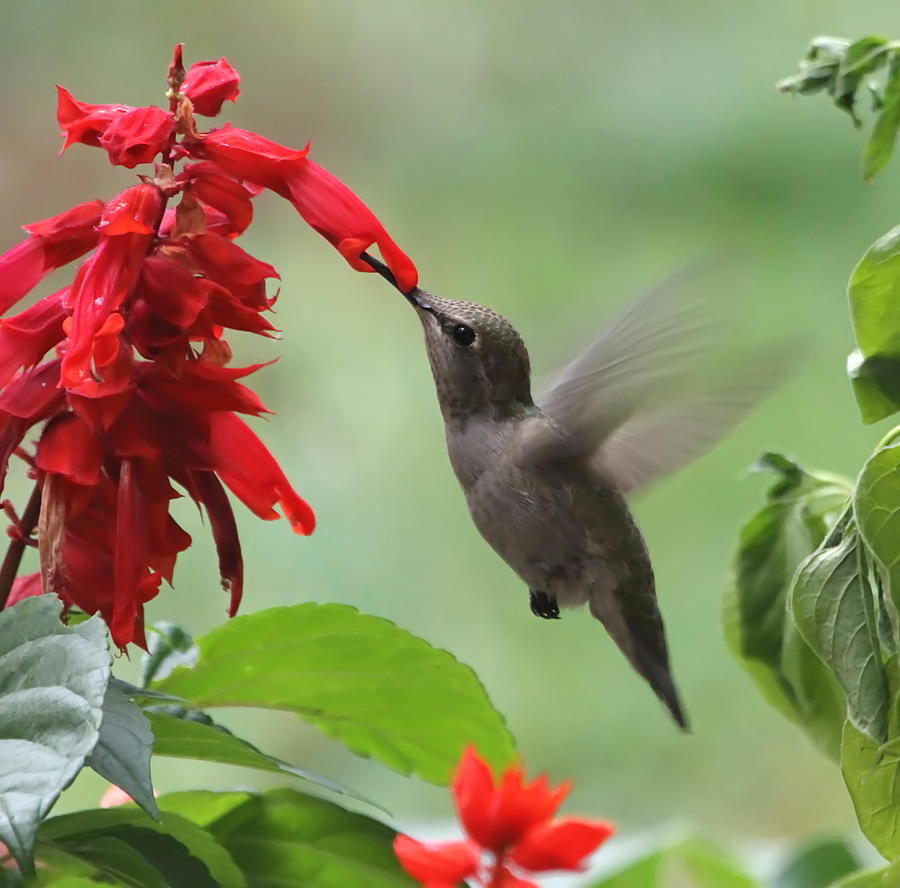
x=511 y=821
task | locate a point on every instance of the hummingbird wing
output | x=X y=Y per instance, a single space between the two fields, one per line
x=652 y=392
x=656 y=442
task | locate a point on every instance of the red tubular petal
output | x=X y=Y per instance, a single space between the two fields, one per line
x=173 y=293
x=54 y=242
x=333 y=210
x=21 y=269
x=225 y=535
x=81 y=122
x=24 y=587
x=560 y=844
x=498 y=815
x=105 y=280
x=130 y=565
x=508 y=879
x=35 y=394
x=246 y=155
x=138 y=136
x=473 y=792
x=248 y=469
x=209 y=84
x=69 y=447
x=26 y=337
x=438 y=862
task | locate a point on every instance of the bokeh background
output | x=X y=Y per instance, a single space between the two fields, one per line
x=551 y=160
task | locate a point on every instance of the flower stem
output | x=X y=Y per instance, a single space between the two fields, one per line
x=18 y=544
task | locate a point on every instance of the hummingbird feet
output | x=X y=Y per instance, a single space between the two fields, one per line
x=543 y=606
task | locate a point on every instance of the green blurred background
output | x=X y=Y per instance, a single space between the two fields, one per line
x=551 y=160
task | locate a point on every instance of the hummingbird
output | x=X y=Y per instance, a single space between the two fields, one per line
x=546 y=481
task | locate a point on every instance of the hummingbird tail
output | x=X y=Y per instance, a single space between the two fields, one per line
x=634 y=623
x=659 y=677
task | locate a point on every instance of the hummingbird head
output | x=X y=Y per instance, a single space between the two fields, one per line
x=478 y=359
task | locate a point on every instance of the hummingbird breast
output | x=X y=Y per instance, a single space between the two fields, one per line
x=560 y=526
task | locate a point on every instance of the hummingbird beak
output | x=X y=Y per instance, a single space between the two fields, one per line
x=418 y=299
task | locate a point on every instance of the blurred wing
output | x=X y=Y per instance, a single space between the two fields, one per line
x=654 y=391
x=629 y=367
x=650 y=445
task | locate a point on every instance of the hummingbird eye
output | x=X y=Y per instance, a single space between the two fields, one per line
x=462 y=335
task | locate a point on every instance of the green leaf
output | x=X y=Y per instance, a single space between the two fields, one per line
x=834 y=611
x=877 y=508
x=873 y=781
x=710 y=866
x=83 y=835
x=874 y=292
x=884 y=134
x=185 y=734
x=361 y=679
x=817 y=865
x=861 y=58
x=888 y=877
x=168 y=646
x=800 y=507
x=288 y=838
x=696 y=862
x=52 y=683
x=122 y=753
x=645 y=872
x=204 y=806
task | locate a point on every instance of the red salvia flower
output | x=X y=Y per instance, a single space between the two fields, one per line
x=124 y=375
x=209 y=84
x=510 y=823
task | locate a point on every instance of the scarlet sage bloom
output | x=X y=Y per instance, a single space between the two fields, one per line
x=511 y=832
x=124 y=376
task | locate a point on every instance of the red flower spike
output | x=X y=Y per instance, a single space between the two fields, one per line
x=81 y=122
x=446 y=863
x=54 y=242
x=142 y=394
x=560 y=844
x=209 y=84
x=138 y=136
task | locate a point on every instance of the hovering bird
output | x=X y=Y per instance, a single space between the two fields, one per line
x=546 y=482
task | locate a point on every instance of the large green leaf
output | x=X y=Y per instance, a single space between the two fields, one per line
x=874 y=292
x=122 y=753
x=817 y=865
x=361 y=679
x=877 y=508
x=52 y=683
x=187 y=734
x=86 y=835
x=800 y=507
x=284 y=837
x=873 y=781
x=833 y=609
